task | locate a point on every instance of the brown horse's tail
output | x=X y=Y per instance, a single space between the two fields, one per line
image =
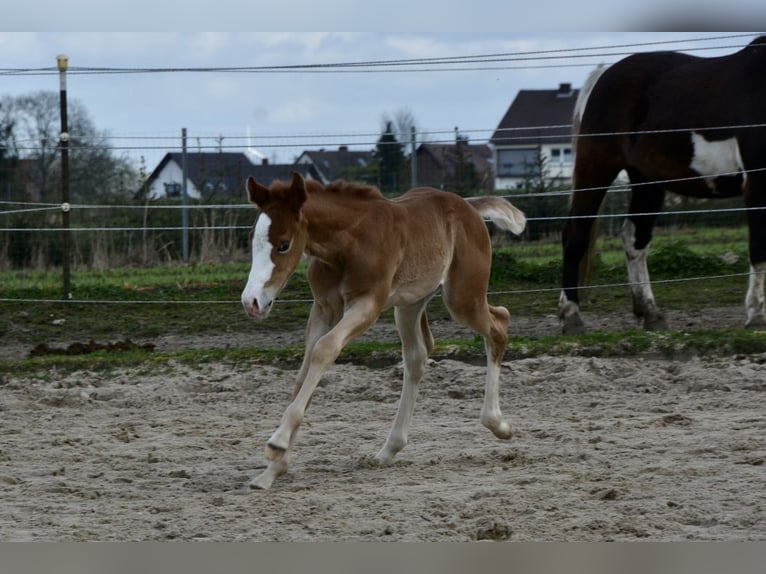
x=502 y=213
x=587 y=262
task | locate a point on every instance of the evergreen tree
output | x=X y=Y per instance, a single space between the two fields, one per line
x=390 y=158
x=465 y=181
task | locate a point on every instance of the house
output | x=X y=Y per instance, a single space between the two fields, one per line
x=328 y=165
x=534 y=138
x=213 y=175
x=453 y=166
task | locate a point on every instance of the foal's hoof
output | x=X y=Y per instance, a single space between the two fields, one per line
x=756 y=322
x=501 y=430
x=262 y=482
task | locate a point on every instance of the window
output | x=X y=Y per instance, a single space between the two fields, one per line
x=173 y=189
x=561 y=155
x=518 y=162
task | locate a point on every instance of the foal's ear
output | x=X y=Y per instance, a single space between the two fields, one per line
x=297 y=191
x=256 y=193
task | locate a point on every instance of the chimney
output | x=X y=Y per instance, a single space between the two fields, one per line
x=343 y=148
x=265 y=161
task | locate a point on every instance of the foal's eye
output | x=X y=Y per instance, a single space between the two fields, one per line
x=283 y=247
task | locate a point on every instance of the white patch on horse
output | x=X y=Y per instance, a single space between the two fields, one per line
x=754 y=300
x=714 y=158
x=255 y=298
x=638 y=271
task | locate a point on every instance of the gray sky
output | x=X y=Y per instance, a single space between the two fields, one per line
x=286 y=112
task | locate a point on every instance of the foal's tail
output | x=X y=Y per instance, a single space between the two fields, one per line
x=502 y=213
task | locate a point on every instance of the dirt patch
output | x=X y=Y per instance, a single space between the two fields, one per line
x=604 y=449
x=91 y=346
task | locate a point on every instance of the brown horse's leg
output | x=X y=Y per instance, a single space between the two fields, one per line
x=579 y=238
x=646 y=200
x=416 y=345
x=755 y=197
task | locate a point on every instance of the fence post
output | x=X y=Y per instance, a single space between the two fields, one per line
x=63 y=64
x=184 y=201
x=414 y=157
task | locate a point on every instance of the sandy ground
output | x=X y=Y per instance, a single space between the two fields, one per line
x=604 y=449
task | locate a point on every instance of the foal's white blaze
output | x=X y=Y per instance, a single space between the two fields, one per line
x=713 y=158
x=256 y=297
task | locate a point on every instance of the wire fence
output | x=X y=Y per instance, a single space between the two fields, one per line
x=148 y=232
x=153 y=228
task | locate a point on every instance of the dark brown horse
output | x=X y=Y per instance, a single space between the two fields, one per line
x=674 y=122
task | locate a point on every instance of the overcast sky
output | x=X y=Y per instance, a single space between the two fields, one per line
x=285 y=112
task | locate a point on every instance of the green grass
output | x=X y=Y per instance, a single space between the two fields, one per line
x=670 y=344
x=204 y=299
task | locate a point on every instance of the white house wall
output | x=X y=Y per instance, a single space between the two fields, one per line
x=559 y=171
x=171 y=173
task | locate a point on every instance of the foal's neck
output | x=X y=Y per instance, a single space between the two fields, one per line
x=336 y=213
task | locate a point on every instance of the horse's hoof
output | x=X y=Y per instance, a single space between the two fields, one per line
x=503 y=431
x=261 y=482
x=757 y=322
x=573 y=325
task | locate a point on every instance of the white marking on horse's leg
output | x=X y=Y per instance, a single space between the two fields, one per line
x=491 y=416
x=754 y=300
x=567 y=308
x=415 y=355
x=256 y=299
x=644 y=305
x=569 y=315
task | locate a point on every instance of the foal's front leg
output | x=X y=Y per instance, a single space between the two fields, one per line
x=356 y=319
x=317 y=326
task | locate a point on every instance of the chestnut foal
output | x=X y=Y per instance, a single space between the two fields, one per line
x=366 y=254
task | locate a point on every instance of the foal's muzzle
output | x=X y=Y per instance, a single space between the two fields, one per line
x=255 y=310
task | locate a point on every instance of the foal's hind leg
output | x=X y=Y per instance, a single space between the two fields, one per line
x=495 y=343
x=471 y=309
x=417 y=343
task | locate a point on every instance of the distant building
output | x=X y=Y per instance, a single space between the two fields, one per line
x=213 y=175
x=537 y=124
x=328 y=165
x=440 y=165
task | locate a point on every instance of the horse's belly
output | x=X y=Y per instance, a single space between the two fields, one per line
x=414 y=282
x=412 y=292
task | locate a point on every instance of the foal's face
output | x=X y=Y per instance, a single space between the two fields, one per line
x=277 y=241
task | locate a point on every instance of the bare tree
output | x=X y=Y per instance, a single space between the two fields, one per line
x=94 y=170
x=402 y=121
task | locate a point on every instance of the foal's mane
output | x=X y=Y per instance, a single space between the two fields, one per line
x=346 y=188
